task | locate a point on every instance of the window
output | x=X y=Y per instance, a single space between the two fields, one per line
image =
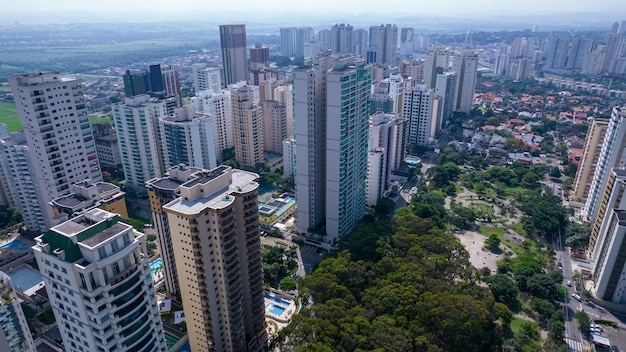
x=102 y=252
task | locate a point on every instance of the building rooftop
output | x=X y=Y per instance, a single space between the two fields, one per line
x=621 y=216
x=620 y=171
x=221 y=196
x=89 y=229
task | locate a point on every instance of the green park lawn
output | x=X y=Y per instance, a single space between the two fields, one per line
x=9 y=116
x=97 y=119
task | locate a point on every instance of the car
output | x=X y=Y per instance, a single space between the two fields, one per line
x=569 y=283
x=577 y=297
x=614 y=349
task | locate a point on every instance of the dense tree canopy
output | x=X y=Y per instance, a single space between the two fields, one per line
x=414 y=290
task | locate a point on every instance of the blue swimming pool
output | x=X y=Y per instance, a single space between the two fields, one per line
x=411 y=160
x=277 y=300
x=274 y=309
x=288 y=197
x=156 y=265
x=16 y=245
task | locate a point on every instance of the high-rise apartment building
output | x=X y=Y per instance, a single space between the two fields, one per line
x=437 y=61
x=161 y=191
x=54 y=117
x=206 y=78
x=106 y=147
x=580 y=47
x=612 y=154
x=293 y=40
x=387 y=95
x=417 y=107
x=412 y=69
x=289 y=157
x=360 y=38
x=247 y=126
x=171 y=84
x=188 y=138
x=612 y=49
x=445 y=87
x=386 y=153
x=465 y=64
x=22 y=188
x=383 y=40
x=218 y=106
x=214 y=226
x=259 y=57
x=341 y=39
x=555 y=51
x=95 y=268
x=234 y=53
x=612 y=199
x=331 y=110
x=136 y=125
x=610 y=264
x=274 y=126
x=589 y=160
x=14 y=332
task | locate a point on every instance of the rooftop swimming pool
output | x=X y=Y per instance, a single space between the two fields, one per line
x=288 y=197
x=274 y=309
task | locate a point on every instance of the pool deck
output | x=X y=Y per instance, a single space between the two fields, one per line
x=280 y=320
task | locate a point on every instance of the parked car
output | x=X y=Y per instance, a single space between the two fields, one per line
x=577 y=297
x=569 y=283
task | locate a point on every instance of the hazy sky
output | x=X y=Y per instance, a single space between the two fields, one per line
x=454 y=8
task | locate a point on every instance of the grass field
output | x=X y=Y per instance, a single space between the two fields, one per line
x=97 y=119
x=9 y=116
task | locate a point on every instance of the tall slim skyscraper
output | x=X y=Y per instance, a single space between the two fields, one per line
x=234 y=53
x=437 y=61
x=288 y=41
x=217 y=249
x=136 y=125
x=555 y=50
x=56 y=125
x=171 y=84
x=95 y=268
x=417 y=108
x=341 y=39
x=331 y=110
x=465 y=64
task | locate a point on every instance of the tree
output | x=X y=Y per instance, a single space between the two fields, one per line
x=503 y=288
x=542 y=286
x=556 y=330
x=384 y=206
x=577 y=235
x=515 y=144
x=493 y=243
x=288 y=284
x=583 y=321
x=555 y=172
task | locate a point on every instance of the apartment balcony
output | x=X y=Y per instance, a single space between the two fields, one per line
x=122 y=275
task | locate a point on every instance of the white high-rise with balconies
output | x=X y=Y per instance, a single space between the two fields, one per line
x=465 y=64
x=136 y=125
x=58 y=134
x=417 y=106
x=331 y=110
x=218 y=106
x=206 y=78
x=612 y=154
x=95 y=268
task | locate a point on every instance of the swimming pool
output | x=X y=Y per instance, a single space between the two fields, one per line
x=288 y=197
x=185 y=348
x=170 y=339
x=156 y=265
x=16 y=245
x=412 y=160
x=274 y=309
x=276 y=299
